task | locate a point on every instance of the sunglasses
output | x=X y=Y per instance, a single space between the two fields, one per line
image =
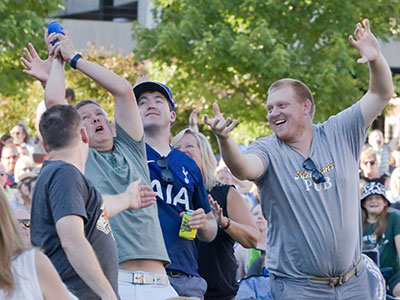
x=371 y=162
x=26 y=222
x=316 y=175
x=166 y=173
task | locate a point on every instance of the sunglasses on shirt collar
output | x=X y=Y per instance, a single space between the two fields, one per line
x=316 y=175
x=166 y=173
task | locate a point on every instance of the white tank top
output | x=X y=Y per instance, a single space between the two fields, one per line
x=26 y=281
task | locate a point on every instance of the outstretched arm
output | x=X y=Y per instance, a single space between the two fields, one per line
x=380 y=82
x=126 y=110
x=242 y=166
x=136 y=196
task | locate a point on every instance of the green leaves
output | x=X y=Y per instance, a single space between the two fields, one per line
x=231 y=51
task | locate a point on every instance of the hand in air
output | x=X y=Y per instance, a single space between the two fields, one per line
x=35 y=66
x=365 y=42
x=219 y=125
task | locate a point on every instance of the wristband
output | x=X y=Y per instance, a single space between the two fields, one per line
x=74 y=60
x=227 y=225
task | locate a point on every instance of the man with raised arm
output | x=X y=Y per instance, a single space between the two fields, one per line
x=307 y=175
x=112 y=165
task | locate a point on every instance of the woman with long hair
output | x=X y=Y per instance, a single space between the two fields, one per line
x=24 y=272
x=216 y=260
x=381 y=232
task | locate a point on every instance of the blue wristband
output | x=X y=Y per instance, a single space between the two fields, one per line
x=74 y=60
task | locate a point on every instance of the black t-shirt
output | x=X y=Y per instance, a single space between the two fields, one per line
x=62 y=190
x=216 y=260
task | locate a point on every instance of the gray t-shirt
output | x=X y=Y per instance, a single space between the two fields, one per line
x=314 y=230
x=137 y=232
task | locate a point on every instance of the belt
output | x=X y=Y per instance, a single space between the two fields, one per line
x=334 y=281
x=142 y=278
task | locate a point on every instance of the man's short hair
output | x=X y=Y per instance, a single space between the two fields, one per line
x=59 y=126
x=86 y=102
x=300 y=89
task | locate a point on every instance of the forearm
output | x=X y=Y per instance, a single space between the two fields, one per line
x=234 y=158
x=84 y=261
x=246 y=235
x=209 y=232
x=113 y=83
x=381 y=82
x=54 y=92
x=115 y=204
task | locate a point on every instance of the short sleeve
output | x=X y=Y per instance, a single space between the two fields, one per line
x=67 y=192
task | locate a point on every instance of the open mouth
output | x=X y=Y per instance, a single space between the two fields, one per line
x=280 y=122
x=99 y=128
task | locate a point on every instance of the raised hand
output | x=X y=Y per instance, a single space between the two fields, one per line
x=63 y=48
x=142 y=78
x=219 y=125
x=139 y=196
x=365 y=42
x=193 y=120
x=216 y=210
x=35 y=66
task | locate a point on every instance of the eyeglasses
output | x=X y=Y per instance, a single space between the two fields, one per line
x=166 y=174
x=316 y=175
x=371 y=162
x=26 y=222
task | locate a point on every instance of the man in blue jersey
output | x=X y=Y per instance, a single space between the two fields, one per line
x=178 y=183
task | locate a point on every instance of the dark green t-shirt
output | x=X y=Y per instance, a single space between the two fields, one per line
x=388 y=256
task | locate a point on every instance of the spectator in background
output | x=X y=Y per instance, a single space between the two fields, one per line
x=382 y=150
x=23 y=199
x=246 y=257
x=25 y=273
x=393 y=194
x=394 y=160
x=20 y=136
x=369 y=166
x=217 y=263
x=9 y=157
x=24 y=165
x=381 y=231
x=70 y=96
x=6 y=139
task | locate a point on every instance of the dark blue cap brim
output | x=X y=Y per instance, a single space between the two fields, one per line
x=153 y=86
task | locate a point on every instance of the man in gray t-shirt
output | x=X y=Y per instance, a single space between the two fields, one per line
x=116 y=166
x=308 y=180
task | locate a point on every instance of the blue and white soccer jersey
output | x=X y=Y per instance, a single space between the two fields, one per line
x=185 y=191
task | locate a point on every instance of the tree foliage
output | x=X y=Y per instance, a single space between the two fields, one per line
x=22 y=21
x=231 y=51
x=22 y=106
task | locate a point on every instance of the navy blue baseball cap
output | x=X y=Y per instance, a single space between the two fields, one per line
x=153 y=86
